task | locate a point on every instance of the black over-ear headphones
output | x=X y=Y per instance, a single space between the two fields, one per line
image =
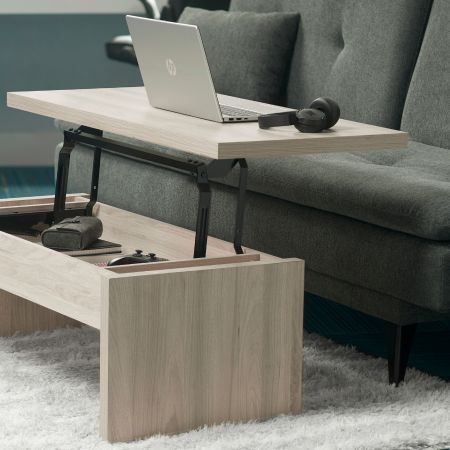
x=323 y=113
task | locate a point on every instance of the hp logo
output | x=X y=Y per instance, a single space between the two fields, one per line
x=171 y=67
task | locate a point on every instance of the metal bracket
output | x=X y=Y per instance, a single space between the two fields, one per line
x=220 y=168
x=62 y=176
x=204 y=205
x=241 y=204
x=201 y=171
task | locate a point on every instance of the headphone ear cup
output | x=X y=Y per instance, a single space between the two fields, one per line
x=330 y=108
x=310 y=121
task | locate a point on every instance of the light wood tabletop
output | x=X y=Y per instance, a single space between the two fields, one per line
x=127 y=112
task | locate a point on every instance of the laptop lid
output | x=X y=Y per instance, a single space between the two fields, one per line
x=174 y=67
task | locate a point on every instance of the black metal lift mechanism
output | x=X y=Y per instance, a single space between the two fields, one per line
x=201 y=171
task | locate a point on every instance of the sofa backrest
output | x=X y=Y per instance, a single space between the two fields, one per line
x=359 y=52
x=426 y=114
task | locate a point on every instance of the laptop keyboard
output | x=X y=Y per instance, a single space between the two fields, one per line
x=237 y=112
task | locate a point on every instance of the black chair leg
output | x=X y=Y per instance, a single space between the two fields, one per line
x=399 y=340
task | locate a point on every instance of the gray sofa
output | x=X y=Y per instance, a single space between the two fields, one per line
x=373 y=228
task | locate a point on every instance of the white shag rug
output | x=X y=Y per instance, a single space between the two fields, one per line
x=49 y=399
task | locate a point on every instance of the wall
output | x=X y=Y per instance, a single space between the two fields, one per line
x=57 y=51
x=69 y=6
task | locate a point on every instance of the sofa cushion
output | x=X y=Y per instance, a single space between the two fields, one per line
x=359 y=52
x=248 y=53
x=427 y=110
x=404 y=190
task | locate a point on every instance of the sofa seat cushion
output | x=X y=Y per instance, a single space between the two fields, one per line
x=404 y=190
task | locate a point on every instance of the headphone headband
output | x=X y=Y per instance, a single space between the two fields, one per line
x=278 y=119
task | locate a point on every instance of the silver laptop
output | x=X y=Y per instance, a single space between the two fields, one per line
x=176 y=73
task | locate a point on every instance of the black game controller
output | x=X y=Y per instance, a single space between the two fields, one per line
x=136 y=258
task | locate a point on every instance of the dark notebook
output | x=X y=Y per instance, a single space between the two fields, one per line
x=99 y=247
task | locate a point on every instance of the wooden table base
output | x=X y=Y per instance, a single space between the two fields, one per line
x=184 y=343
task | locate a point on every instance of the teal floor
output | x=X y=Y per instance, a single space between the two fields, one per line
x=431 y=349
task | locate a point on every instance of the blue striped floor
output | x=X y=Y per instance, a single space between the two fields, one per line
x=431 y=349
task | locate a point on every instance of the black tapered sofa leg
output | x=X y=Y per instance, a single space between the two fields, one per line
x=399 y=341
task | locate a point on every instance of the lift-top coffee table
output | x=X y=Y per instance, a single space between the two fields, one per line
x=213 y=335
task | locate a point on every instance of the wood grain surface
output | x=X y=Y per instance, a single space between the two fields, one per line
x=38 y=204
x=58 y=282
x=127 y=112
x=204 y=345
x=199 y=262
x=20 y=315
